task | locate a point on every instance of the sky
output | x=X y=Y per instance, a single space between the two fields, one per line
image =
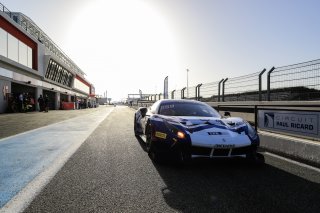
x=125 y=46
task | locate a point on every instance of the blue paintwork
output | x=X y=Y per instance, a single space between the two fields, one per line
x=24 y=156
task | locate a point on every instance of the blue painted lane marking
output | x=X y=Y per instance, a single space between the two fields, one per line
x=24 y=156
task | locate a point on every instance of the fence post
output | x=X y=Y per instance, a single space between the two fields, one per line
x=223 y=88
x=219 y=89
x=260 y=84
x=268 y=83
x=256 y=117
x=182 y=92
x=172 y=94
x=198 y=95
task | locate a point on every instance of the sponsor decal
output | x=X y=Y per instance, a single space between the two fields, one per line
x=296 y=122
x=170 y=106
x=161 y=135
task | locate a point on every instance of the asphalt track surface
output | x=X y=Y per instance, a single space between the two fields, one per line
x=30 y=158
x=111 y=172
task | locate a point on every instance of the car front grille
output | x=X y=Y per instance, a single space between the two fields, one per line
x=221 y=152
x=195 y=150
x=209 y=152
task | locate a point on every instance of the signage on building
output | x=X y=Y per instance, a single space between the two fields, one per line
x=293 y=122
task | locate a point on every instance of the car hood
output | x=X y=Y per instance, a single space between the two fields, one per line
x=190 y=122
x=209 y=131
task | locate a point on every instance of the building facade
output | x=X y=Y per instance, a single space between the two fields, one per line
x=31 y=64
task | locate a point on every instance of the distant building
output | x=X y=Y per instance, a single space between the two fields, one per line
x=30 y=62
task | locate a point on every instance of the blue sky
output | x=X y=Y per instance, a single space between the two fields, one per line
x=127 y=45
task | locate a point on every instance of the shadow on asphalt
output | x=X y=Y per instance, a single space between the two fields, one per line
x=142 y=143
x=233 y=185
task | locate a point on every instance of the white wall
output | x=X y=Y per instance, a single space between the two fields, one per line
x=81 y=86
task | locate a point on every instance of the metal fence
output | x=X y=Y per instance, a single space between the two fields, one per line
x=176 y=94
x=243 y=88
x=209 y=92
x=192 y=93
x=297 y=82
x=5 y=10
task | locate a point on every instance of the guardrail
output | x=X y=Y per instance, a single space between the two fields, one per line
x=5 y=10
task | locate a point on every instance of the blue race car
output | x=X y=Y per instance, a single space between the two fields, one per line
x=187 y=129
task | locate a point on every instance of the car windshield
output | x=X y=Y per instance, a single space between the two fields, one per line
x=188 y=109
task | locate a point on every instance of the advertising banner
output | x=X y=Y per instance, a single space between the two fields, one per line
x=304 y=123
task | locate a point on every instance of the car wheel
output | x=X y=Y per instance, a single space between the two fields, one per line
x=135 y=126
x=155 y=156
x=152 y=152
x=148 y=140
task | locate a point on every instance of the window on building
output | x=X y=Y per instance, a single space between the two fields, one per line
x=13 y=48
x=15 y=18
x=23 y=53
x=3 y=43
x=29 y=57
x=59 y=74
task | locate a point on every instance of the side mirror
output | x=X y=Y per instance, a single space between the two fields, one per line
x=227 y=114
x=143 y=111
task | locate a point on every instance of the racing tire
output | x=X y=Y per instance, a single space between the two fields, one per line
x=153 y=154
x=136 y=133
x=148 y=140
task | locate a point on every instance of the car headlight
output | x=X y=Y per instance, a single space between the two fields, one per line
x=176 y=131
x=181 y=135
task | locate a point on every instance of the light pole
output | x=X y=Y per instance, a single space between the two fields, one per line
x=187 y=84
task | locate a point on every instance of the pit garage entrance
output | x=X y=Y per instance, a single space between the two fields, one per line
x=26 y=90
x=52 y=98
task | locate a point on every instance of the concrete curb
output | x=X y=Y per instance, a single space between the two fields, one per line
x=302 y=150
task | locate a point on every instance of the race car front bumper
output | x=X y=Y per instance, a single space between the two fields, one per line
x=197 y=151
x=172 y=147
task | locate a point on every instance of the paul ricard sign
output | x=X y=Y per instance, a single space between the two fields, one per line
x=293 y=122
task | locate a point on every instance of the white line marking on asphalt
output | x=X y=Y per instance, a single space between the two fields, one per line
x=292 y=161
x=23 y=199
